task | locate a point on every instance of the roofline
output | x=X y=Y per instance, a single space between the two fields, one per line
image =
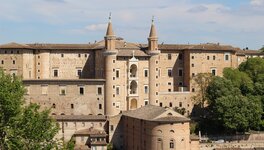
x=26 y=81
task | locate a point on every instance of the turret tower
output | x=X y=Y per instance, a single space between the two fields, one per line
x=153 y=63
x=110 y=58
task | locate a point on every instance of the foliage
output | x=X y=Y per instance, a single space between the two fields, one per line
x=180 y=110
x=239 y=79
x=254 y=67
x=22 y=127
x=262 y=49
x=110 y=146
x=202 y=81
x=236 y=99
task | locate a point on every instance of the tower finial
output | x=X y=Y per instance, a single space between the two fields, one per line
x=152 y=20
x=110 y=17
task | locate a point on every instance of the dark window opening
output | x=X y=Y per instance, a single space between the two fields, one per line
x=81 y=90
x=169 y=56
x=169 y=72
x=180 y=72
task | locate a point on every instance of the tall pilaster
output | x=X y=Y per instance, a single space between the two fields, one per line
x=110 y=58
x=153 y=64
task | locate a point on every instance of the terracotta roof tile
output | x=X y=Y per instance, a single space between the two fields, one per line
x=151 y=112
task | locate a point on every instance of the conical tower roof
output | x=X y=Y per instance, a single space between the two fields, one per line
x=153 y=33
x=110 y=31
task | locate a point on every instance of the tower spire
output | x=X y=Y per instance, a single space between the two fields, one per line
x=152 y=33
x=110 y=31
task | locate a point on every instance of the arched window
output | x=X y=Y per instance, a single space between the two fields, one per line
x=133 y=87
x=133 y=70
x=62 y=114
x=172 y=143
x=171 y=131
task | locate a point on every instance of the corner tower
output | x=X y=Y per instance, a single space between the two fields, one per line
x=110 y=59
x=153 y=64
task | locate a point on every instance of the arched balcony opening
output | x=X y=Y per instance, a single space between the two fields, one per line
x=133 y=104
x=133 y=71
x=133 y=87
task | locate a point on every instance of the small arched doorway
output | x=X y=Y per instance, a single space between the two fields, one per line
x=133 y=104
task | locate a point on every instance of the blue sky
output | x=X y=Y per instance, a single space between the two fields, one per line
x=235 y=22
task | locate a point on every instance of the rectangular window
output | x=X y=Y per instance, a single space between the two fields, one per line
x=117 y=90
x=117 y=73
x=81 y=90
x=55 y=72
x=111 y=127
x=226 y=56
x=170 y=72
x=146 y=90
x=99 y=91
x=145 y=72
x=100 y=106
x=79 y=72
x=62 y=90
x=213 y=71
x=44 y=89
x=169 y=56
x=180 y=72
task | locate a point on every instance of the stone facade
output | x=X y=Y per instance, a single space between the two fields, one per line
x=112 y=75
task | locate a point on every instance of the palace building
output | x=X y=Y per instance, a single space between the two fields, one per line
x=113 y=78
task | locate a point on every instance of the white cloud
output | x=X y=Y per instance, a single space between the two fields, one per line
x=96 y=27
x=257 y=2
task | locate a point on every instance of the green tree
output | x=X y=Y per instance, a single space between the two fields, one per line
x=240 y=80
x=254 y=67
x=202 y=81
x=23 y=127
x=237 y=112
x=262 y=49
x=236 y=100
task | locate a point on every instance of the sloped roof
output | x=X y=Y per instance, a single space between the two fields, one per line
x=15 y=46
x=152 y=113
x=206 y=46
x=80 y=117
x=61 y=46
x=91 y=131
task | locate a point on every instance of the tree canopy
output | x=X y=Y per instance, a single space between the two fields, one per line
x=235 y=101
x=23 y=127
